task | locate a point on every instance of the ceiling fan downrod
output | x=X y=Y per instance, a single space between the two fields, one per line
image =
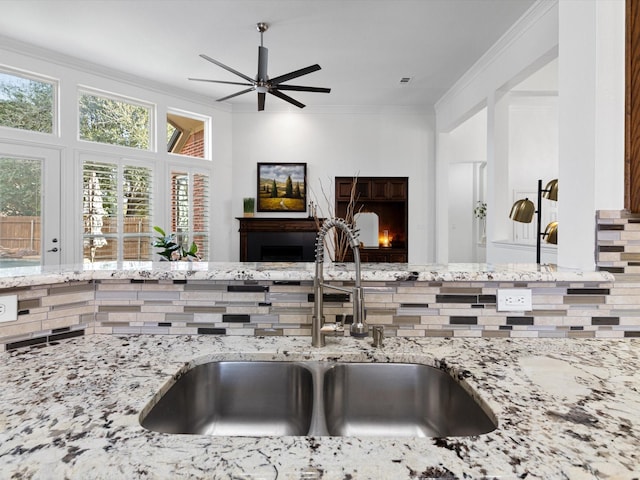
x=262 y=27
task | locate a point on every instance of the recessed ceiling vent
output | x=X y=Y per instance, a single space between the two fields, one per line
x=404 y=80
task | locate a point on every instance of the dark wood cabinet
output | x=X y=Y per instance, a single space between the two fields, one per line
x=388 y=198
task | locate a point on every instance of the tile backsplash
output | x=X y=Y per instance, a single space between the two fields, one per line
x=601 y=309
x=405 y=308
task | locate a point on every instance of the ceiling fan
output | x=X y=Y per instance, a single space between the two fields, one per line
x=262 y=83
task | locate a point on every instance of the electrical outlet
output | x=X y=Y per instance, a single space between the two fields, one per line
x=514 y=300
x=8 y=308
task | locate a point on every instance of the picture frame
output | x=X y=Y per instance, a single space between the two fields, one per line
x=281 y=187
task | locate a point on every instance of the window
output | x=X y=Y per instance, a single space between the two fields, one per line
x=116 y=211
x=26 y=103
x=114 y=121
x=20 y=211
x=186 y=135
x=190 y=210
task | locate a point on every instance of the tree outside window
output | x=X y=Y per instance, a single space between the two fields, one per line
x=116 y=122
x=26 y=104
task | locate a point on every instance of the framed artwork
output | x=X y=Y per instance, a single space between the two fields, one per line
x=282 y=187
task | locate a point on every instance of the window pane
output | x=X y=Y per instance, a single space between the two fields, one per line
x=185 y=135
x=20 y=207
x=99 y=211
x=115 y=122
x=136 y=212
x=190 y=210
x=200 y=232
x=26 y=104
x=116 y=225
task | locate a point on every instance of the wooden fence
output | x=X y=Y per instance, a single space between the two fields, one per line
x=134 y=248
x=20 y=236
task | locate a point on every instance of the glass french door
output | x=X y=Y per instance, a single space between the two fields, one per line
x=29 y=206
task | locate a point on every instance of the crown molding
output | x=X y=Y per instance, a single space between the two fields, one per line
x=537 y=11
x=281 y=107
x=51 y=56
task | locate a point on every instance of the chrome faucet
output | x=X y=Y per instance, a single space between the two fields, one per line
x=318 y=328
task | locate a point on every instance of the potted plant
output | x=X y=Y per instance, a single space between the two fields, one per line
x=480 y=212
x=248 y=206
x=171 y=250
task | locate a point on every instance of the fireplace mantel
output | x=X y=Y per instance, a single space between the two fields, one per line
x=274 y=234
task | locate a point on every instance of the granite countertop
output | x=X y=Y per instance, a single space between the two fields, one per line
x=284 y=271
x=566 y=408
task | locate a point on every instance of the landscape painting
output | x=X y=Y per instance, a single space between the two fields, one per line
x=282 y=187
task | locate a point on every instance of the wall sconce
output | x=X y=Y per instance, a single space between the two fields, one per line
x=523 y=210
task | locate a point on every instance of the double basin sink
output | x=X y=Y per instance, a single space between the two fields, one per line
x=261 y=398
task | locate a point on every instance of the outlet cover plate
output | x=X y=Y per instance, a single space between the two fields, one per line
x=8 y=308
x=514 y=300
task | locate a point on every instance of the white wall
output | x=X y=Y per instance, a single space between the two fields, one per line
x=342 y=142
x=465 y=150
x=591 y=116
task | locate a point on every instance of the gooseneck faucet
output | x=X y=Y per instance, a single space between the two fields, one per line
x=358 y=328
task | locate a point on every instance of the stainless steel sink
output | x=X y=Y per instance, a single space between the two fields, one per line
x=316 y=398
x=399 y=400
x=236 y=399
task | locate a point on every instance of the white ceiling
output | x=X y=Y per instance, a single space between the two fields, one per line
x=363 y=46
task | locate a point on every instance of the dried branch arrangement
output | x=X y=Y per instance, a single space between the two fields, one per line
x=337 y=244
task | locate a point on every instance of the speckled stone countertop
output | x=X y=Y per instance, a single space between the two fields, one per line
x=566 y=408
x=26 y=276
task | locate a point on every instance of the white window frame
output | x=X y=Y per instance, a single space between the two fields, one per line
x=121 y=161
x=191 y=168
x=152 y=126
x=55 y=83
x=207 y=132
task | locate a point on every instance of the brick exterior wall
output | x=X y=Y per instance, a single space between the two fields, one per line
x=194 y=146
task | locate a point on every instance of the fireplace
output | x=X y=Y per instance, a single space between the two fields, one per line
x=282 y=253
x=277 y=239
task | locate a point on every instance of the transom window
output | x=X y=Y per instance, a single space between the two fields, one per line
x=186 y=135
x=27 y=103
x=112 y=120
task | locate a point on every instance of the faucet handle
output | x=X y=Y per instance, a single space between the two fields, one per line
x=378 y=335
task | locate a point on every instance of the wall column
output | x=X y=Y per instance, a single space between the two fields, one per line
x=591 y=162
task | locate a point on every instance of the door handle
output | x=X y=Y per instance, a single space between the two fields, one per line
x=54 y=249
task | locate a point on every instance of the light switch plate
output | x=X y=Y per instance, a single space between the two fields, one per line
x=8 y=308
x=514 y=300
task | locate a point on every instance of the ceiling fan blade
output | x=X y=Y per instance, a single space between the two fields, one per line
x=261 y=98
x=219 y=81
x=286 y=98
x=263 y=58
x=229 y=69
x=295 y=74
x=235 y=94
x=300 y=88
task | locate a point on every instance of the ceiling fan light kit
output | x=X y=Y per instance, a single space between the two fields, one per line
x=262 y=84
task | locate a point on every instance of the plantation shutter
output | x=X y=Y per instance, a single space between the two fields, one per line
x=116 y=211
x=190 y=210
